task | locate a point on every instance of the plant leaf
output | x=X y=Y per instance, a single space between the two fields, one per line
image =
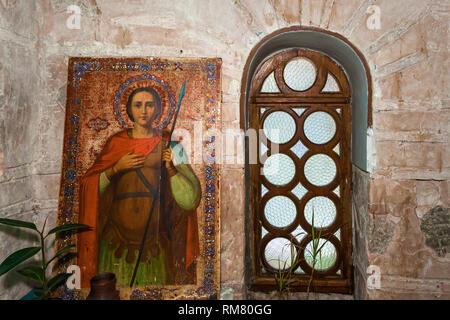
x=67 y=227
x=60 y=252
x=57 y=280
x=17 y=258
x=40 y=295
x=326 y=241
x=33 y=272
x=38 y=291
x=18 y=223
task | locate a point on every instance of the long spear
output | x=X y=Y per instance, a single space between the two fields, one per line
x=141 y=248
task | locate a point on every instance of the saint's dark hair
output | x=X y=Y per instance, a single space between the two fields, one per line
x=157 y=100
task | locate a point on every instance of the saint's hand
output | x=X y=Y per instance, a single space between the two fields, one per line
x=166 y=134
x=129 y=161
x=167 y=157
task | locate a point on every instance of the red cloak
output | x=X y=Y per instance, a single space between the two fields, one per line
x=117 y=146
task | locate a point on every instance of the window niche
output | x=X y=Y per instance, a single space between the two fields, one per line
x=308 y=92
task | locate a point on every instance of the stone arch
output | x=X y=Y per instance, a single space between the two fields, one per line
x=342 y=51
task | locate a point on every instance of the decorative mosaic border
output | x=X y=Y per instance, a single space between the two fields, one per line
x=78 y=67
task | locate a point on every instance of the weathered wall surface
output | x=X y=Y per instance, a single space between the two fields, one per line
x=411 y=168
x=20 y=92
x=408 y=150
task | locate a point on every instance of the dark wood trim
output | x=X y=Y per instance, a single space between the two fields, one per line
x=277 y=64
x=327 y=285
x=281 y=99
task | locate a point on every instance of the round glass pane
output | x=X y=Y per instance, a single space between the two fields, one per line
x=324 y=212
x=320 y=169
x=279 y=253
x=280 y=211
x=325 y=256
x=279 y=169
x=279 y=127
x=319 y=127
x=299 y=74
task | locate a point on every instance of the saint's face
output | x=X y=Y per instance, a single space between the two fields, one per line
x=142 y=108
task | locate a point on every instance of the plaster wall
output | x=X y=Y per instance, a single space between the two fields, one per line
x=408 y=148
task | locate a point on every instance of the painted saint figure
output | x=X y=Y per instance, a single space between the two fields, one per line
x=116 y=197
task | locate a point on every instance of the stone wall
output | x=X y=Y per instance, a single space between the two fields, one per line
x=410 y=167
x=19 y=94
x=360 y=219
x=408 y=146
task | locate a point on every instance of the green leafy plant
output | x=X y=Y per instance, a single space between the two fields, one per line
x=38 y=273
x=285 y=275
x=315 y=252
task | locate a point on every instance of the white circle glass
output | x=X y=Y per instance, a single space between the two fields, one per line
x=319 y=127
x=299 y=74
x=279 y=169
x=325 y=257
x=278 y=253
x=320 y=169
x=279 y=127
x=323 y=209
x=280 y=211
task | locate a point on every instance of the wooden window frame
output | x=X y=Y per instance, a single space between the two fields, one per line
x=313 y=100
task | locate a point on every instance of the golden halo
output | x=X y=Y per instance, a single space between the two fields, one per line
x=150 y=81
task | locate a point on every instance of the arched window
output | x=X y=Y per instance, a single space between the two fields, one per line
x=299 y=103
